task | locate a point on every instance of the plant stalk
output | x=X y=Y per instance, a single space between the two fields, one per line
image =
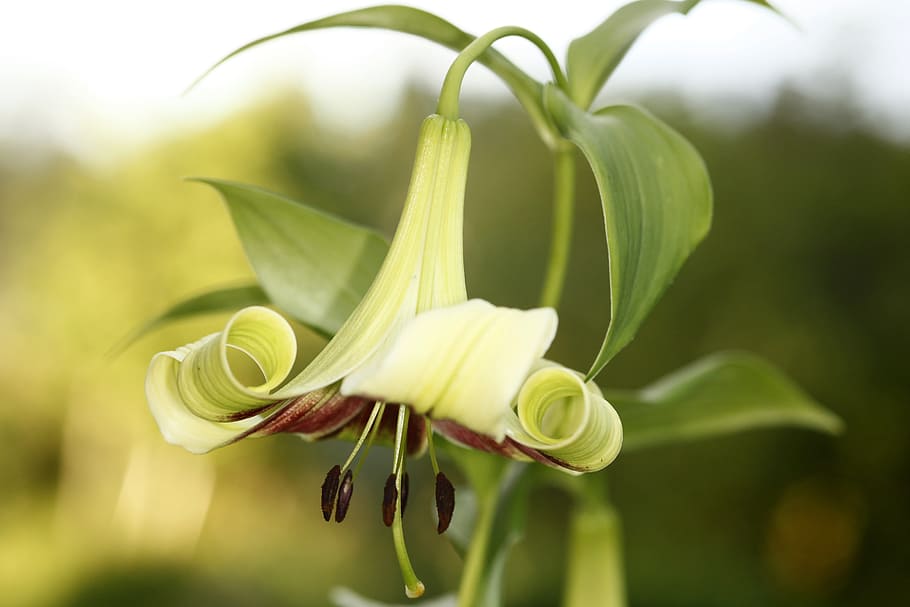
x=472 y=585
x=563 y=216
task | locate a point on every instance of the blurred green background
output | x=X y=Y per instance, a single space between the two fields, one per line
x=807 y=265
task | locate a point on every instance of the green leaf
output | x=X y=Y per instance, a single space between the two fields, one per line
x=716 y=395
x=312 y=265
x=228 y=299
x=426 y=25
x=657 y=202
x=594 y=56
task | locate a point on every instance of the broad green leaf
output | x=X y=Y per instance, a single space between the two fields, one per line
x=719 y=394
x=312 y=265
x=593 y=57
x=420 y=23
x=228 y=299
x=657 y=202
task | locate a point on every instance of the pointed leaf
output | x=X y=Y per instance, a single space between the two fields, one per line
x=426 y=25
x=657 y=202
x=593 y=57
x=227 y=299
x=719 y=394
x=314 y=266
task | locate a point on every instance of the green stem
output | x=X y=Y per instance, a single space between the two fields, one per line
x=594 y=569
x=563 y=216
x=475 y=567
x=451 y=86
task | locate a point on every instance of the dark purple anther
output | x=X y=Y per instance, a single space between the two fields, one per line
x=330 y=491
x=344 y=496
x=389 y=497
x=445 y=502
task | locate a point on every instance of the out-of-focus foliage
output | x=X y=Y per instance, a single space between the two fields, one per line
x=806 y=265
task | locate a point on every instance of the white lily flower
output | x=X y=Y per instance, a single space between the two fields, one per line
x=414 y=340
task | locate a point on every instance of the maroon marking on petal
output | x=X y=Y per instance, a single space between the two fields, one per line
x=328 y=417
x=544 y=458
x=389 y=499
x=507 y=448
x=288 y=414
x=241 y=415
x=417 y=435
x=345 y=492
x=473 y=440
x=445 y=502
x=330 y=491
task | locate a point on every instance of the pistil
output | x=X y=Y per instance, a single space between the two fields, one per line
x=413 y=587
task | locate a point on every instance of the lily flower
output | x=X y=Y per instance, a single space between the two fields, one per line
x=415 y=355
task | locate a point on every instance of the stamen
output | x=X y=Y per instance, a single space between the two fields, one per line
x=377 y=423
x=389 y=498
x=431 y=446
x=377 y=408
x=345 y=492
x=330 y=491
x=413 y=587
x=330 y=487
x=445 y=491
x=445 y=502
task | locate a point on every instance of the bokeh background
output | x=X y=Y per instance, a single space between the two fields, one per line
x=806 y=135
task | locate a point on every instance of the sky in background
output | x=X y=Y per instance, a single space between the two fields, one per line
x=95 y=76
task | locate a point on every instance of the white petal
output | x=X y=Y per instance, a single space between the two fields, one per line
x=562 y=416
x=179 y=425
x=464 y=363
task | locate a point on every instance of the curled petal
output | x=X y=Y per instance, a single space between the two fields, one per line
x=226 y=376
x=464 y=363
x=566 y=419
x=205 y=394
x=177 y=423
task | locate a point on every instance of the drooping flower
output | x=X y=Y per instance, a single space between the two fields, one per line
x=414 y=349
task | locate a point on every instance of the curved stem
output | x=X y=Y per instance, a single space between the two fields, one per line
x=563 y=215
x=451 y=86
x=472 y=577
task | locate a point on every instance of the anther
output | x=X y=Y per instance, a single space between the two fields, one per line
x=344 y=496
x=445 y=502
x=389 y=499
x=330 y=491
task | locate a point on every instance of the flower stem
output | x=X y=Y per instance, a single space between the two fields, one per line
x=563 y=215
x=451 y=86
x=594 y=569
x=475 y=568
